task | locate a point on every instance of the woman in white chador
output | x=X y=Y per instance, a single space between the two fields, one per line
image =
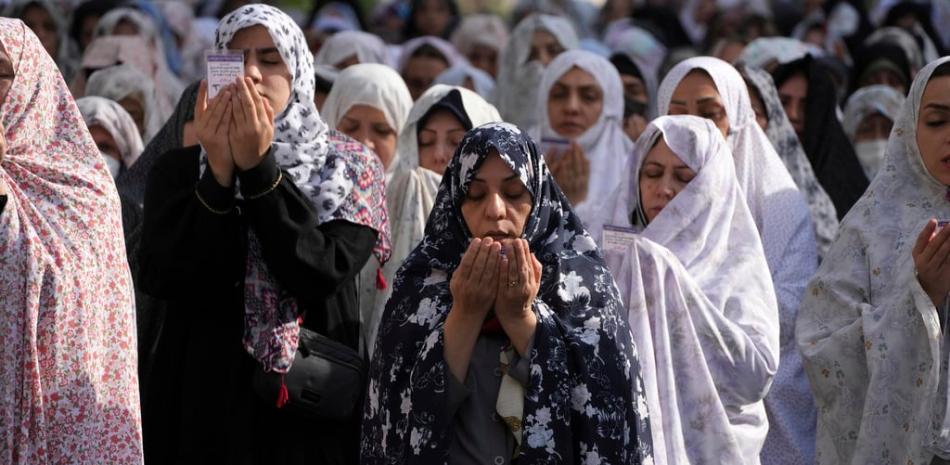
x=701 y=304
x=872 y=327
x=714 y=89
x=410 y=184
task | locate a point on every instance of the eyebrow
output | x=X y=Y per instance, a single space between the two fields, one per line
x=938 y=106
x=509 y=178
x=700 y=101
x=263 y=51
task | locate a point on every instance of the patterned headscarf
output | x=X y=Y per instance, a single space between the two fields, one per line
x=343 y=181
x=583 y=403
x=870 y=336
x=68 y=385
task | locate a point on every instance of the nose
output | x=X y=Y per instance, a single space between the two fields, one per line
x=495 y=207
x=573 y=105
x=252 y=71
x=444 y=153
x=667 y=191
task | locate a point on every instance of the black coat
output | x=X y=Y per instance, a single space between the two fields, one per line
x=200 y=407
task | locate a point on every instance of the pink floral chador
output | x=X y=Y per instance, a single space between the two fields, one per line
x=68 y=383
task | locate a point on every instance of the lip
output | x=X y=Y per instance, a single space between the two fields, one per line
x=498 y=235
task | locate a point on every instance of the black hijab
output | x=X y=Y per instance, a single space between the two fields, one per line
x=826 y=145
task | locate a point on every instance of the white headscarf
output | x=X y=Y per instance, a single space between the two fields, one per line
x=516 y=90
x=642 y=48
x=168 y=87
x=99 y=111
x=605 y=144
x=487 y=30
x=410 y=195
x=769 y=51
x=708 y=339
x=445 y=48
x=374 y=85
x=870 y=336
x=866 y=101
x=118 y=82
x=458 y=74
x=367 y=47
x=787 y=232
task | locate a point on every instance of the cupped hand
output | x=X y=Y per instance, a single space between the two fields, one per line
x=252 y=125
x=212 y=122
x=475 y=281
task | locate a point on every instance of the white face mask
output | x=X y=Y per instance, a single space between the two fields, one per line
x=113 y=165
x=871 y=155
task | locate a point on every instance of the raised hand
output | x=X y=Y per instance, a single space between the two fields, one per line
x=475 y=281
x=212 y=120
x=252 y=125
x=931 y=253
x=571 y=171
x=518 y=284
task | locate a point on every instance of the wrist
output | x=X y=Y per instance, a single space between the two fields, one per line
x=223 y=176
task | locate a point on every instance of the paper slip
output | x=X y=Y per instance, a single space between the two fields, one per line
x=223 y=69
x=618 y=239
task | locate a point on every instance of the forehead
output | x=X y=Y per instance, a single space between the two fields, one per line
x=256 y=36
x=696 y=84
x=662 y=153
x=577 y=77
x=937 y=91
x=542 y=36
x=494 y=168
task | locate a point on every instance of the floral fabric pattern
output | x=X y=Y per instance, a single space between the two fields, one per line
x=68 y=381
x=709 y=341
x=584 y=399
x=870 y=336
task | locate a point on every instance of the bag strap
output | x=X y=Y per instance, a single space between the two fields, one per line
x=363 y=349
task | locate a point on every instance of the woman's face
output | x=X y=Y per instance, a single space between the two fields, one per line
x=933 y=128
x=634 y=88
x=438 y=140
x=105 y=141
x=885 y=77
x=544 y=47
x=873 y=127
x=125 y=28
x=7 y=74
x=420 y=73
x=794 y=93
x=575 y=103
x=662 y=176
x=761 y=116
x=497 y=203
x=39 y=20
x=432 y=17
x=484 y=58
x=697 y=95
x=368 y=125
x=264 y=65
x=133 y=105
